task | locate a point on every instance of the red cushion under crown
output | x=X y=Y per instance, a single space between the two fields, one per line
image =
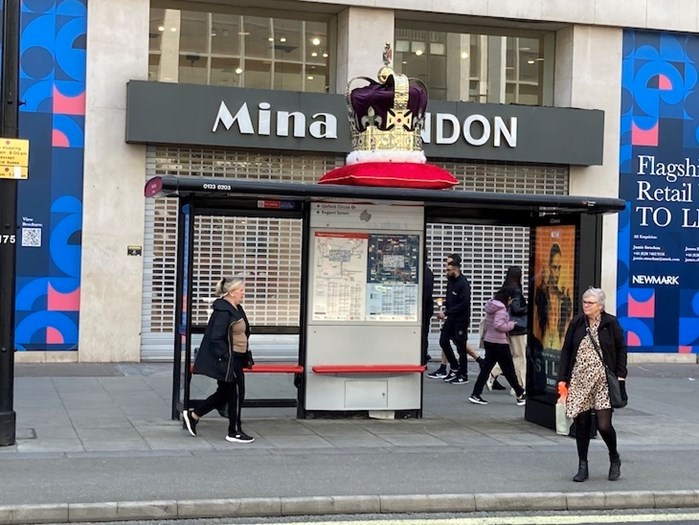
x=391 y=175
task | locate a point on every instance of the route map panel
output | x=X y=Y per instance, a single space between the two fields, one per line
x=365 y=277
x=339 y=277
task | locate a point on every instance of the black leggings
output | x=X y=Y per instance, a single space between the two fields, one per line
x=583 y=421
x=231 y=393
x=500 y=354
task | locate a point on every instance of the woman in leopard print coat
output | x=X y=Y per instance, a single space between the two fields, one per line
x=582 y=371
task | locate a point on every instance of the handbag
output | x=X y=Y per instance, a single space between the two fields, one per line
x=615 y=397
x=248 y=361
x=520 y=321
x=563 y=423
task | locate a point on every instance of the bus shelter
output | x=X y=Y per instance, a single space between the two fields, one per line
x=362 y=251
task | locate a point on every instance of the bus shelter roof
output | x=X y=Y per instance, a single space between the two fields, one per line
x=511 y=208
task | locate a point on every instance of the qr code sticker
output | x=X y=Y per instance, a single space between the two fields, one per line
x=31 y=237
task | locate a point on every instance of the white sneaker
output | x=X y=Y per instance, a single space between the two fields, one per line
x=449 y=377
x=477 y=400
x=190 y=422
x=440 y=373
x=240 y=437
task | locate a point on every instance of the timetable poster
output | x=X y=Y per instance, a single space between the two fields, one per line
x=392 y=277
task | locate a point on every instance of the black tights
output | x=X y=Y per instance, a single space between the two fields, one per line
x=583 y=421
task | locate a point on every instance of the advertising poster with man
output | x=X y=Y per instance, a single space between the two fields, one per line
x=553 y=296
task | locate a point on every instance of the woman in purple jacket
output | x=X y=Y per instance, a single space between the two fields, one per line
x=497 y=348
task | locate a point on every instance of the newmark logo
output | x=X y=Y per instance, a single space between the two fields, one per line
x=656 y=279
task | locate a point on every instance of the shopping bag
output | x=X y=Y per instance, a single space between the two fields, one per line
x=563 y=423
x=481 y=334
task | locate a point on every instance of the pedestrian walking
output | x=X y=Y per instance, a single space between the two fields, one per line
x=460 y=311
x=517 y=309
x=456 y=316
x=497 y=348
x=593 y=339
x=223 y=354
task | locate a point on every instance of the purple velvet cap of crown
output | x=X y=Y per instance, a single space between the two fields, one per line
x=380 y=97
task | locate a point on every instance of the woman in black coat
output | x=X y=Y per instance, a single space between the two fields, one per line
x=582 y=372
x=222 y=356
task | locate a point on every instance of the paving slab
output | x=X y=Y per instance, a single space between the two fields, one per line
x=86 y=431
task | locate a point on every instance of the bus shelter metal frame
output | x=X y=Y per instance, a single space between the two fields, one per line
x=233 y=197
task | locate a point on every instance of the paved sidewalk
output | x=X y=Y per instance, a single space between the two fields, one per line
x=95 y=442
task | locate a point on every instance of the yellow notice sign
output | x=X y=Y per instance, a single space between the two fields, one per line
x=14 y=158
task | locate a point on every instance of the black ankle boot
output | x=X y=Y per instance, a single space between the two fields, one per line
x=582 y=474
x=614 y=467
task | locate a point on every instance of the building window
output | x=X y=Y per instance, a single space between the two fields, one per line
x=229 y=49
x=477 y=67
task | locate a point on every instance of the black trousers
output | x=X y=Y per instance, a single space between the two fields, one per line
x=453 y=332
x=426 y=323
x=500 y=354
x=231 y=393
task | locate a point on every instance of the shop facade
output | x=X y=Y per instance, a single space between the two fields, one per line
x=111 y=286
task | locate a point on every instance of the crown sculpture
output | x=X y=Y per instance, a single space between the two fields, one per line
x=386 y=119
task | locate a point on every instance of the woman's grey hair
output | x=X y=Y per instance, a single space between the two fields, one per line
x=597 y=293
x=227 y=284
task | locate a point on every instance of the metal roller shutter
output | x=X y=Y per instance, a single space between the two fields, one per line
x=229 y=246
x=225 y=246
x=487 y=250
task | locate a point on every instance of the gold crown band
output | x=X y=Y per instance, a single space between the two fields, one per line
x=400 y=92
x=374 y=139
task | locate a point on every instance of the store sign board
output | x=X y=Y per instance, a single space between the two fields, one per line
x=186 y=114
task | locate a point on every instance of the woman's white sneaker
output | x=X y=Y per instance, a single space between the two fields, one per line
x=240 y=437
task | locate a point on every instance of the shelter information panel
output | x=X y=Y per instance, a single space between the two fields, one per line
x=363 y=276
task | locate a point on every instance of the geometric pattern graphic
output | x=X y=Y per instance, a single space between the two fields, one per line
x=688 y=324
x=658 y=241
x=52 y=86
x=642 y=303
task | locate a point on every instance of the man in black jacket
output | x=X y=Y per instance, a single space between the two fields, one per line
x=456 y=316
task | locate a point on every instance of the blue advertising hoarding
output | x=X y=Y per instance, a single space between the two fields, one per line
x=658 y=281
x=49 y=208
